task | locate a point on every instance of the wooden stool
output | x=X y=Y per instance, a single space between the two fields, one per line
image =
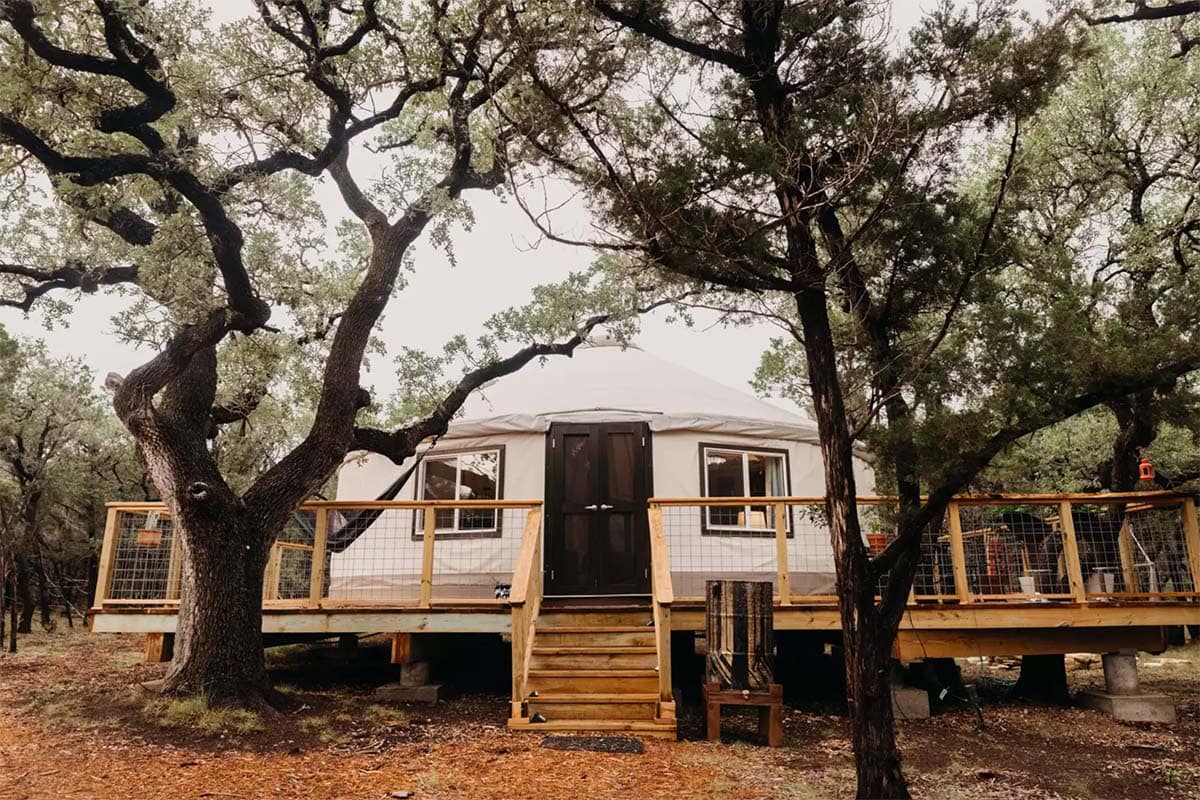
x=770 y=714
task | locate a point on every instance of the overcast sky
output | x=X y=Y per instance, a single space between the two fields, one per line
x=497 y=266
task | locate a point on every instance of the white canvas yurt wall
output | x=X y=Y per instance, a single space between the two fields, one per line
x=604 y=383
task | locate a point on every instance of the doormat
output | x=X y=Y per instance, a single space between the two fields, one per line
x=595 y=744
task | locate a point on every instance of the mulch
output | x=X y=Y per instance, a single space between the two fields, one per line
x=69 y=730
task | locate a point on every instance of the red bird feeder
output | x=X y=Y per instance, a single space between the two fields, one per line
x=1145 y=470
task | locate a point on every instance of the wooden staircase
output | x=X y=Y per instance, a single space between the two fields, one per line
x=594 y=671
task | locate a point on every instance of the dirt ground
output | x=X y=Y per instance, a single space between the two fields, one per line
x=75 y=723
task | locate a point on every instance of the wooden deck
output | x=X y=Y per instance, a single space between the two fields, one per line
x=1006 y=575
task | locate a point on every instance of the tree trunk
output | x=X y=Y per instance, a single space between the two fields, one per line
x=24 y=596
x=869 y=683
x=43 y=590
x=1137 y=428
x=12 y=626
x=219 y=643
x=866 y=637
x=1043 y=679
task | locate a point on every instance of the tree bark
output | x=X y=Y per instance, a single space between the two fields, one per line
x=219 y=644
x=866 y=636
x=24 y=597
x=43 y=590
x=869 y=681
x=1137 y=428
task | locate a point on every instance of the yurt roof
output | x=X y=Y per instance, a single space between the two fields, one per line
x=607 y=382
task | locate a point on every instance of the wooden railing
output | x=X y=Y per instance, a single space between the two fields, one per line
x=662 y=595
x=141 y=558
x=1139 y=546
x=525 y=598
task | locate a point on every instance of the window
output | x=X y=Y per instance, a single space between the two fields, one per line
x=734 y=472
x=466 y=475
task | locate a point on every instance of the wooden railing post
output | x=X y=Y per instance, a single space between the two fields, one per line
x=1071 y=553
x=525 y=599
x=427 y=557
x=958 y=553
x=316 y=580
x=108 y=552
x=1128 y=561
x=270 y=589
x=781 y=555
x=662 y=596
x=1191 y=534
x=174 y=566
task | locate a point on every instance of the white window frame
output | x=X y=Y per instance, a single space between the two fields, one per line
x=744 y=453
x=457 y=455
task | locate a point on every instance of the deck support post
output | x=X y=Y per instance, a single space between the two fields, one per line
x=1122 y=697
x=160 y=647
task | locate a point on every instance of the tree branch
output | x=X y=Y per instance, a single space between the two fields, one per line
x=70 y=276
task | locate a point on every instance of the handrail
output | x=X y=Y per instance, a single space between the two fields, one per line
x=953 y=571
x=1099 y=498
x=662 y=594
x=158 y=505
x=113 y=561
x=525 y=599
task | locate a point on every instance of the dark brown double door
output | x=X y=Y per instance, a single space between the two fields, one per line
x=597 y=483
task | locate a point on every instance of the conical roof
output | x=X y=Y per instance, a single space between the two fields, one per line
x=604 y=381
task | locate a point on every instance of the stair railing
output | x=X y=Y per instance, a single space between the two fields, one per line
x=662 y=595
x=525 y=599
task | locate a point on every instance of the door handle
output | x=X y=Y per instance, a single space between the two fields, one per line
x=592 y=507
x=605 y=507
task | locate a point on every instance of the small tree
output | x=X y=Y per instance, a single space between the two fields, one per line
x=180 y=159
x=49 y=415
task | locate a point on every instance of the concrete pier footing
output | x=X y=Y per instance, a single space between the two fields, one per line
x=1122 y=697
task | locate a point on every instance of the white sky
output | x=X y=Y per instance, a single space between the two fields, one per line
x=496 y=269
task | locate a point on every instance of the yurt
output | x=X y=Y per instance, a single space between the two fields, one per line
x=593 y=436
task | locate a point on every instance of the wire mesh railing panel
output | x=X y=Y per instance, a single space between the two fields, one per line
x=375 y=560
x=1014 y=552
x=289 y=572
x=811 y=572
x=477 y=561
x=933 y=579
x=1155 y=540
x=294 y=577
x=732 y=543
x=143 y=567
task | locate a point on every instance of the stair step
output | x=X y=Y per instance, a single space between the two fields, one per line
x=588 y=681
x=597 y=650
x=593 y=658
x=619 y=709
x=597 y=697
x=600 y=636
x=593 y=628
x=593 y=619
x=642 y=727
